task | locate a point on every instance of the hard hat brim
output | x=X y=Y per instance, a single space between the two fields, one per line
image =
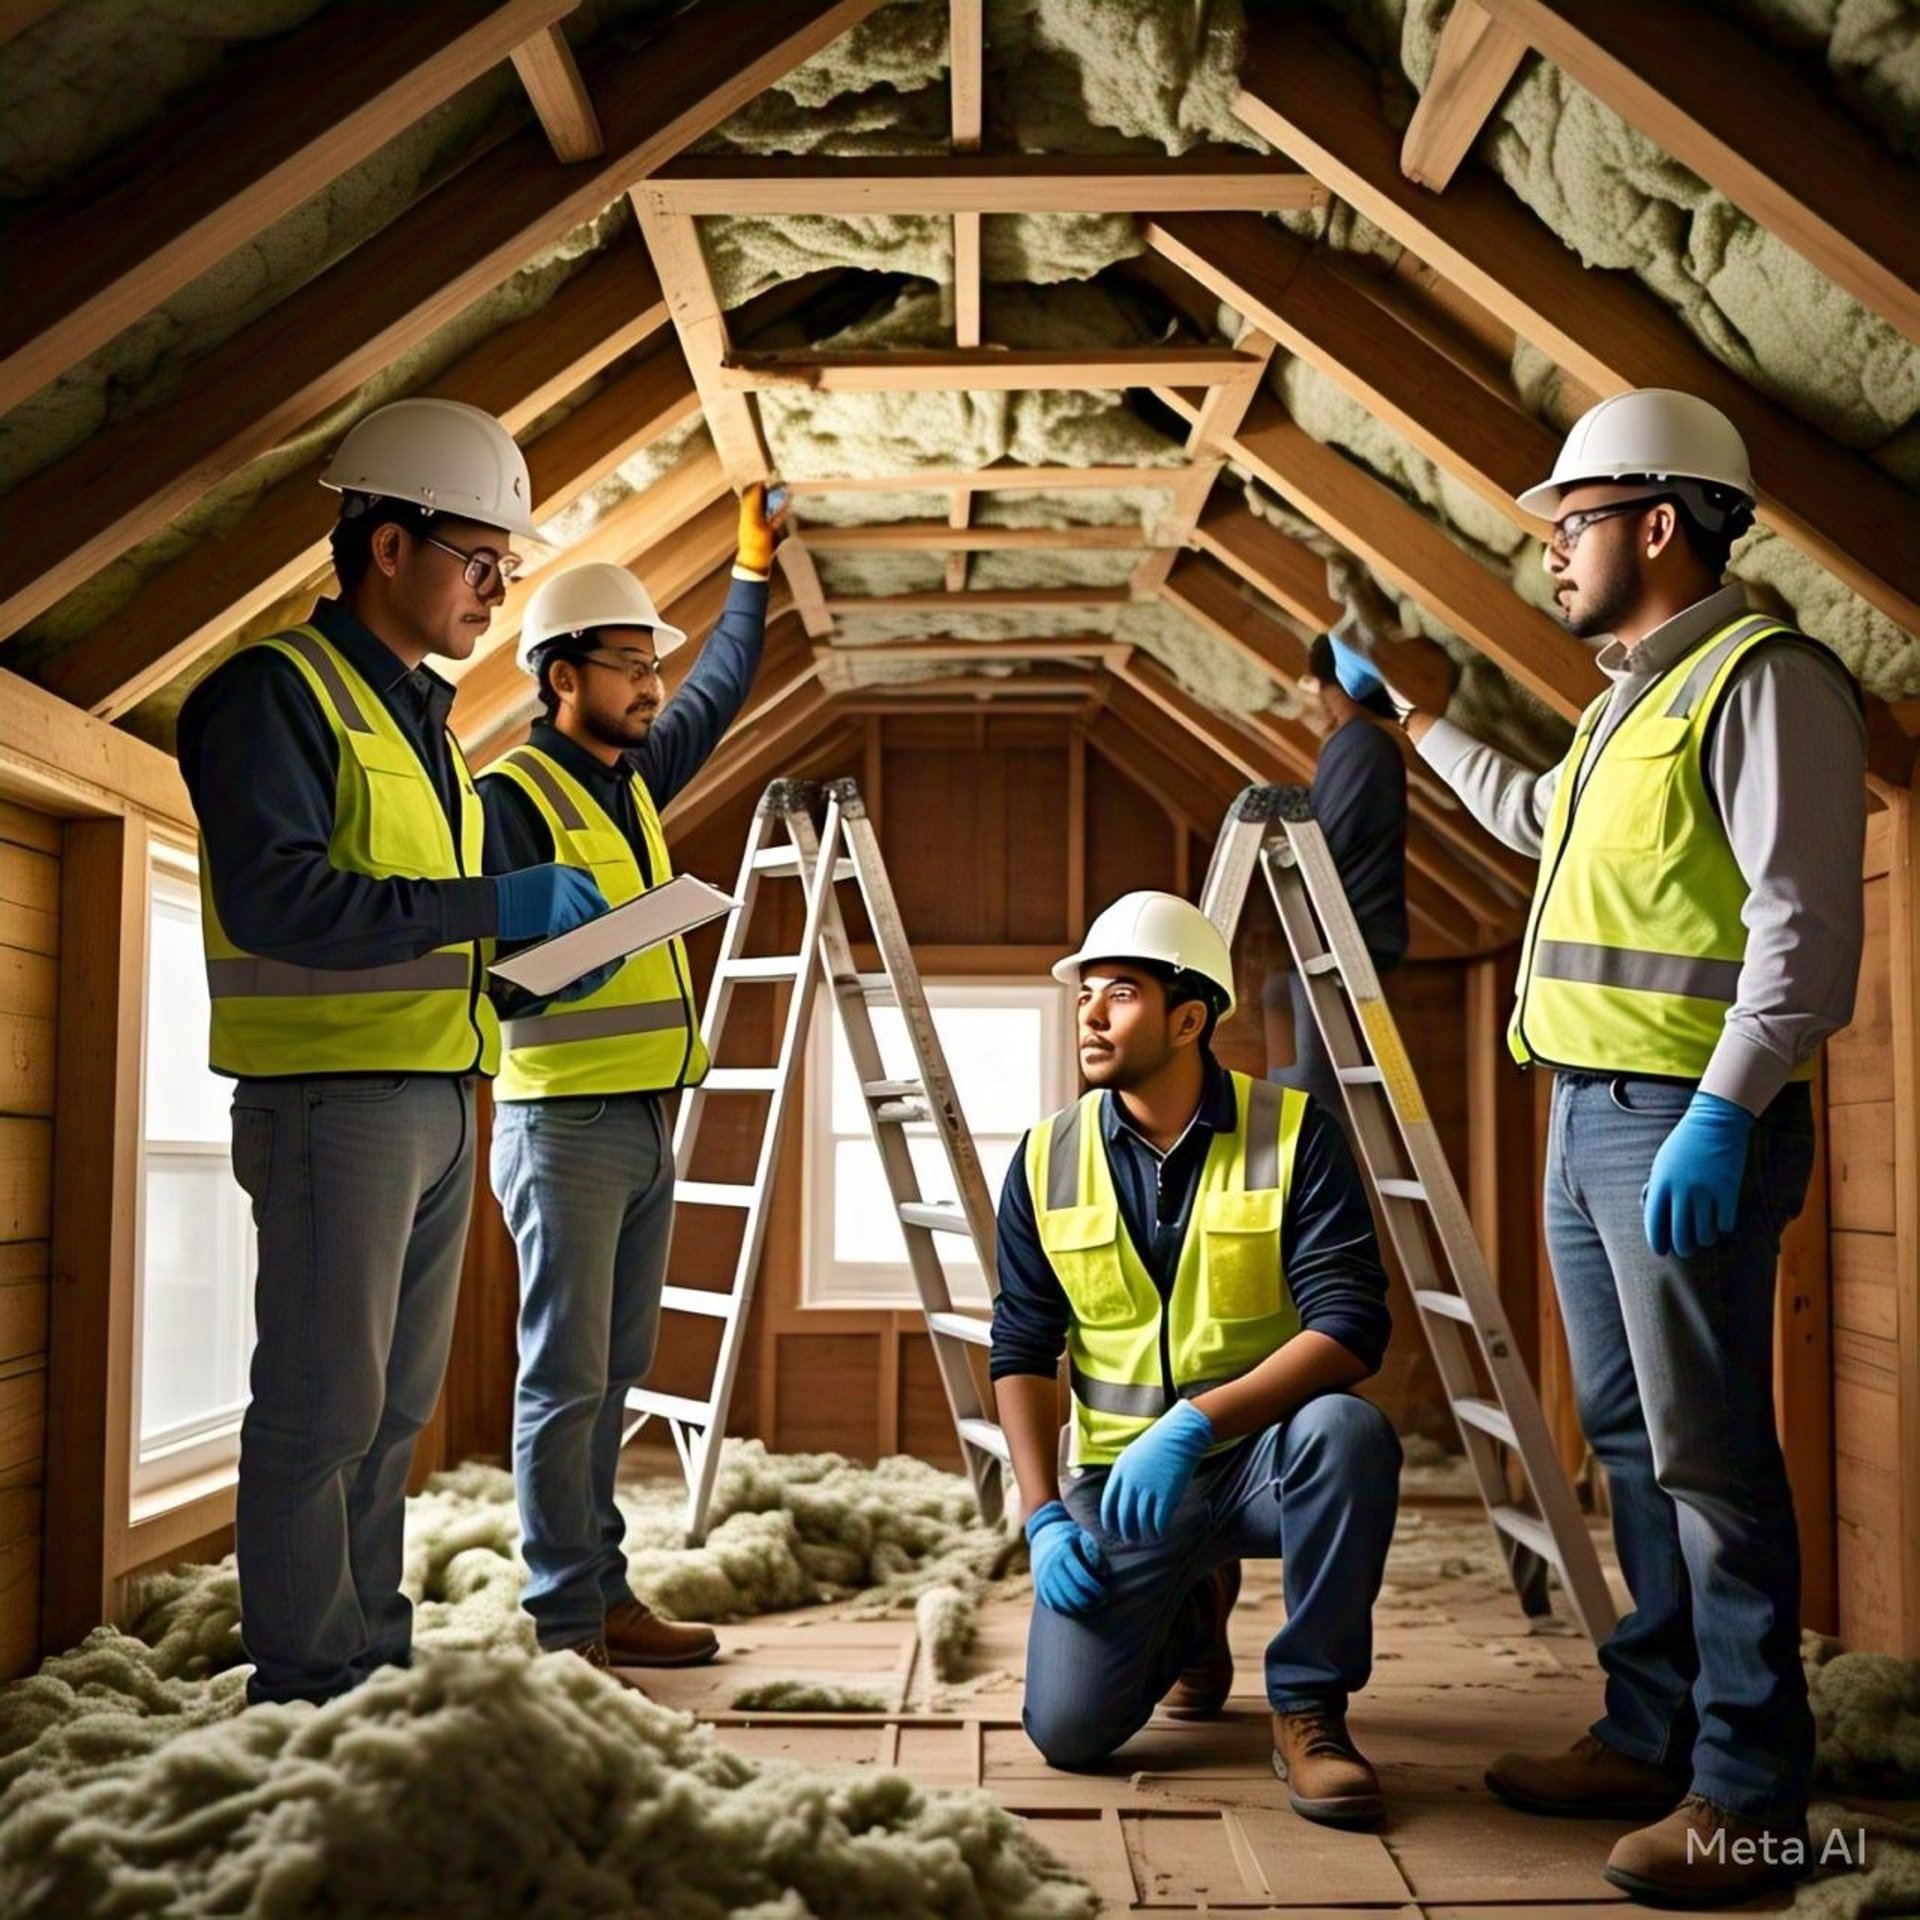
x=1067 y=971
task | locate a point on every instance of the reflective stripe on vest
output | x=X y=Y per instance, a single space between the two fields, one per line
x=1229 y=1307
x=639 y=1033
x=427 y=1015
x=1635 y=940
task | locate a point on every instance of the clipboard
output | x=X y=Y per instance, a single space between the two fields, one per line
x=657 y=915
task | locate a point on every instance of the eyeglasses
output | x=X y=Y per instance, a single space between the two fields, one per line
x=484 y=568
x=634 y=666
x=1566 y=533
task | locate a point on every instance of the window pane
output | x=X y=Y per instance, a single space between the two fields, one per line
x=993 y=1053
x=196 y=1318
x=186 y=1100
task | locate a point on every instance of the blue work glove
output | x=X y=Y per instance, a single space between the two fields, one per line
x=1146 y=1482
x=537 y=902
x=1693 y=1192
x=1069 y=1567
x=1353 y=669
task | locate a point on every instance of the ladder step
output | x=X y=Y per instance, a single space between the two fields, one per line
x=787 y=860
x=716 y=1306
x=711 y=1193
x=1450 y=1306
x=987 y=1437
x=939 y=1218
x=776 y=966
x=1530 y=1530
x=902 y=1113
x=1361 y=1077
x=892 y=1089
x=669 y=1406
x=1489 y=1417
x=741 y=1080
x=877 y=987
x=963 y=1326
x=1400 y=1189
x=1320 y=963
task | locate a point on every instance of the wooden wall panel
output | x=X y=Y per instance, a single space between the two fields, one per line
x=29 y=990
x=1129 y=839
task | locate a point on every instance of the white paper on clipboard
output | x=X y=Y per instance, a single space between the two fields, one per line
x=657 y=915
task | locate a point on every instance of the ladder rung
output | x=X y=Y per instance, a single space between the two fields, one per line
x=776 y=966
x=892 y=1089
x=1400 y=1189
x=1320 y=963
x=787 y=860
x=1451 y=1306
x=1530 y=1530
x=1361 y=1077
x=716 y=1306
x=1489 y=1418
x=963 y=1326
x=669 y=1406
x=938 y=1217
x=741 y=1080
x=876 y=986
x=987 y=1437
x=711 y=1193
x=902 y=1113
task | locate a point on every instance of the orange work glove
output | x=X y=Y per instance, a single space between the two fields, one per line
x=761 y=531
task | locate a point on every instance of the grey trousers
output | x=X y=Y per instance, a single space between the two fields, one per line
x=361 y=1188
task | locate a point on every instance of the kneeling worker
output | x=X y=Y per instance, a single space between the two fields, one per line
x=583 y=1129
x=1201 y=1245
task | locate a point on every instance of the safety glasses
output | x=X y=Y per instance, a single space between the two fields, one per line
x=637 y=668
x=484 y=569
x=1566 y=533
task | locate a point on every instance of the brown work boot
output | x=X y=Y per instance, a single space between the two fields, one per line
x=1699 y=1856
x=638 y=1637
x=1202 y=1689
x=1328 y=1778
x=1591 y=1781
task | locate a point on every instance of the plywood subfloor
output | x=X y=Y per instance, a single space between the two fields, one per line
x=1190 y=1819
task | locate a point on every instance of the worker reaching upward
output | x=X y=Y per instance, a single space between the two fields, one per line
x=1695 y=934
x=348 y=925
x=582 y=1138
x=1201 y=1246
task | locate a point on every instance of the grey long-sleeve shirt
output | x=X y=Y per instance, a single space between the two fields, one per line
x=1785 y=766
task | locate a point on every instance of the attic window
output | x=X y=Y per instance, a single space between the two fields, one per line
x=1007 y=1044
x=196 y=1248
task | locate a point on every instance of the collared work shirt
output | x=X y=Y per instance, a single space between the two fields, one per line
x=1785 y=765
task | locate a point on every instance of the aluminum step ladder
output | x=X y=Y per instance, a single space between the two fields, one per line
x=785 y=844
x=1526 y=1492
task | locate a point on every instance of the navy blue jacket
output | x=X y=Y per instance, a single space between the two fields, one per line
x=261 y=763
x=1360 y=801
x=1327 y=1245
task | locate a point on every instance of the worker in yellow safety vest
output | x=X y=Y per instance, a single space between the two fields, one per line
x=582 y=1156
x=1200 y=1245
x=348 y=926
x=1694 y=935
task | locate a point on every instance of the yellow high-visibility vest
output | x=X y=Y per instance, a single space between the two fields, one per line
x=640 y=1033
x=1635 y=942
x=430 y=1015
x=1230 y=1306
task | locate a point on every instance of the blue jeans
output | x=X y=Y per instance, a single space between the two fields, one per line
x=1673 y=1370
x=587 y=1189
x=361 y=1188
x=1319 y=1491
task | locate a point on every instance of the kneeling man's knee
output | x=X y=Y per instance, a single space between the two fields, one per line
x=1351 y=1429
x=1068 y=1738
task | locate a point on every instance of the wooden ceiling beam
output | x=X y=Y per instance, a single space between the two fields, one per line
x=559 y=96
x=1476 y=59
x=990 y=600
x=983 y=369
x=751 y=762
x=1409 y=551
x=212 y=590
x=1211 y=598
x=1095 y=646
x=1008 y=690
x=294 y=116
x=1748 y=120
x=1320 y=104
x=1200 y=786
x=966 y=86
x=313 y=348
x=973 y=183
x=988 y=480
x=929 y=536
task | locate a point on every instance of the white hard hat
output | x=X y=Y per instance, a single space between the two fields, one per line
x=1652 y=433
x=1160 y=927
x=598 y=594
x=442 y=455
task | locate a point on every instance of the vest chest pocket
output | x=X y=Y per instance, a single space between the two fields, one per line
x=1241 y=1250
x=1083 y=1246
x=405 y=821
x=1624 y=807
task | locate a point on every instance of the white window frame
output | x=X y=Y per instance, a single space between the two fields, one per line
x=193 y=1457
x=831 y=1285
